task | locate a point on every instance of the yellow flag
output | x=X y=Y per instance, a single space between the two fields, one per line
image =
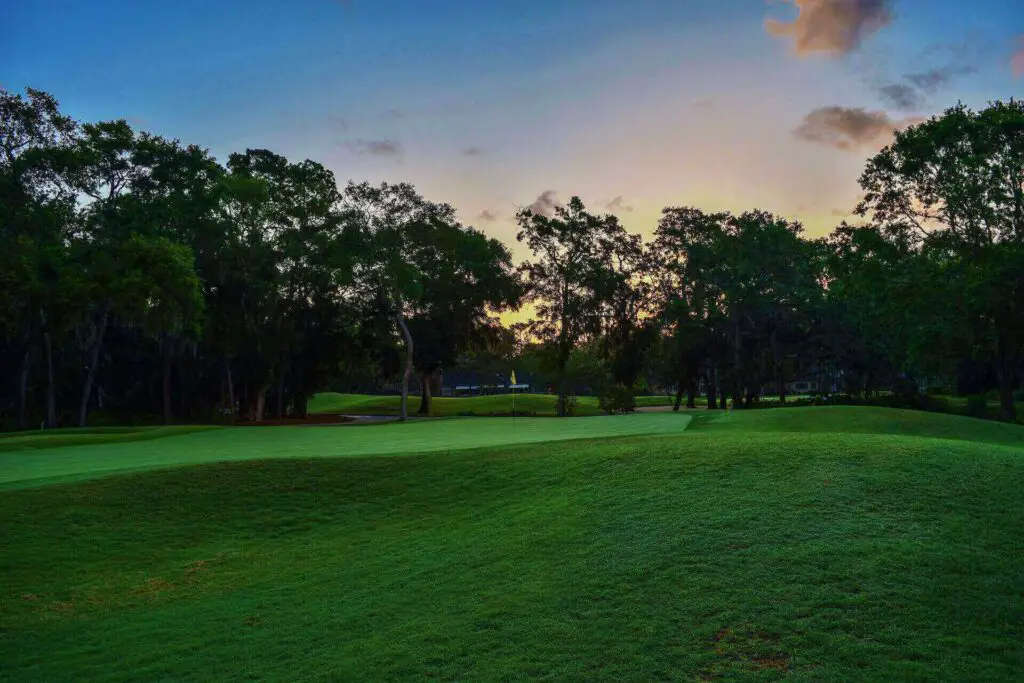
x=514 y=377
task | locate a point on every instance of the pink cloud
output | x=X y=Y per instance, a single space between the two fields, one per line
x=834 y=27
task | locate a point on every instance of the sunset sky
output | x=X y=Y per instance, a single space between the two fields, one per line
x=633 y=105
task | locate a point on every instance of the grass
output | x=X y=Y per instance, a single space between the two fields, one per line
x=21 y=441
x=500 y=404
x=812 y=544
x=34 y=467
x=959 y=404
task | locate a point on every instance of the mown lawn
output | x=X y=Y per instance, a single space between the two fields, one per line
x=500 y=404
x=21 y=441
x=36 y=465
x=745 y=548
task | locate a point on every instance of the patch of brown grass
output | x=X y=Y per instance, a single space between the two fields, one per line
x=746 y=650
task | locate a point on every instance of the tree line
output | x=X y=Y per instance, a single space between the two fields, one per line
x=140 y=275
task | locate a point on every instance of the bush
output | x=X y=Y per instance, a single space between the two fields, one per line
x=977 y=406
x=1018 y=396
x=911 y=401
x=570 y=405
x=617 y=399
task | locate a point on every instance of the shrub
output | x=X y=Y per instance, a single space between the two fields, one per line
x=977 y=406
x=617 y=399
x=911 y=401
x=570 y=405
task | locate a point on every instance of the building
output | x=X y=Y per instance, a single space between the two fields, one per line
x=468 y=383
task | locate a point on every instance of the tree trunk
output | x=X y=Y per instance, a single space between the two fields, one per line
x=780 y=383
x=403 y=414
x=424 y=394
x=231 y=388
x=691 y=394
x=261 y=403
x=427 y=395
x=302 y=407
x=713 y=388
x=90 y=374
x=26 y=359
x=562 y=406
x=1007 y=374
x=168 y=418
x=280 y=398
x=737 y=383
x=51 y=390
x=679 y=398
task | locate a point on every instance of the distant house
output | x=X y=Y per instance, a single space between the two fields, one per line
x=468 y=383
x=802 y=386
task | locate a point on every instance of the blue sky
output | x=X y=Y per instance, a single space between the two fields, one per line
x=633 y=105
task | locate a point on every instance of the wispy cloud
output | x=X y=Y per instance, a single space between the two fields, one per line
x=617 y=203
x=377 y=148
x=545 y=204
x=932 y=79
x=935 y=69
x=1017 y=60
x=472 y=152
x=488 y=215
x=832 y=27
x=850 y=128
x=901 y=96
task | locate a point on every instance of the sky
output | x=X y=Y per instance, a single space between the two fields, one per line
x=633 y=105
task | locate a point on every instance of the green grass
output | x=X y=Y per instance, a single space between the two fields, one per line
x=37 y=467
x=805 y=544
x=860 y=420
x=20 y=441
x=959 y=404
x=538 y=404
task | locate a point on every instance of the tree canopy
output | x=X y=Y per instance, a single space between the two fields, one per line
x=142 y=276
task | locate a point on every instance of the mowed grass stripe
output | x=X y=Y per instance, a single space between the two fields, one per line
x=809 y=556
x=19 y=441
x=38 y=467
x=859 y=420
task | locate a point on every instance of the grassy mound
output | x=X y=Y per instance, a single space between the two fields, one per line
x=537 y=404
x=37 y=467
x=860 y=420
x=746 y=548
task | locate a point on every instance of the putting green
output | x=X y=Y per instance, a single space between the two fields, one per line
x=25 y=468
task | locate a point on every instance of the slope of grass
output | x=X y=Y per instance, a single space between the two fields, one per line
x=538 y=404
x=20 y=441
x=860 y=420
x=723 y=552
x=37 y=467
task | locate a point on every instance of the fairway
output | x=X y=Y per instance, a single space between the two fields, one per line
x=170 y=447
x=536 y=404
x=764 y=545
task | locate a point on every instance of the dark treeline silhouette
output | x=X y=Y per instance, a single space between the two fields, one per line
x=139 y=276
